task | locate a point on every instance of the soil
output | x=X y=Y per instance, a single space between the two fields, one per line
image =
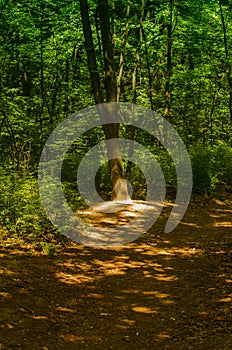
x=163 y=291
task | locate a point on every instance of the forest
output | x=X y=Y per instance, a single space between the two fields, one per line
x=172 y=57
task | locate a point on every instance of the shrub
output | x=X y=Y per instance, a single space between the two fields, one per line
x=212 y=168
x=200 y=159
x=20 y=206
x=221 y=167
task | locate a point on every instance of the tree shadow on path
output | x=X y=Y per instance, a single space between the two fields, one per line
x=161 y=292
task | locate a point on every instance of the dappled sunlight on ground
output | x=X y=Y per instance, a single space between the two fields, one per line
x=163 y=291
x=110 y=213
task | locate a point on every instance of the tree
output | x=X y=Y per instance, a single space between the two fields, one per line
x=227 y=62
x=171 y=56
x=169 y=65
x=111 y=130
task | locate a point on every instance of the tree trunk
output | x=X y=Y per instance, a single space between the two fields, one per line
x=169 y=67
x=228 y=65
x=89 y=46
x=111 y=130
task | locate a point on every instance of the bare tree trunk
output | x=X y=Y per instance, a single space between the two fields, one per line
x=215 y=98
x=108 y=51
x=169 y=66
x=137 y=56
x=122 y=53
x=89 y=46
x=111 y=130
x=41 y=78
x=228 y=66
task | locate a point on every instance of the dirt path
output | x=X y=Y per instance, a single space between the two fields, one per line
x=170 y=291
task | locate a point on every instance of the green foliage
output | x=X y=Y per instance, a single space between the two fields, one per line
x=221 y=167
x=20 y=206
x=200 y=158
x=48 y=248
x=44 y=78
x=44 y=70
x=212 y=168
x=102 y=182
x=168 y=168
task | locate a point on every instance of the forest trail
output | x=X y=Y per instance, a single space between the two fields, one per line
x=164 y=291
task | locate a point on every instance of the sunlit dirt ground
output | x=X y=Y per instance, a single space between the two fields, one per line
x=163 y=291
